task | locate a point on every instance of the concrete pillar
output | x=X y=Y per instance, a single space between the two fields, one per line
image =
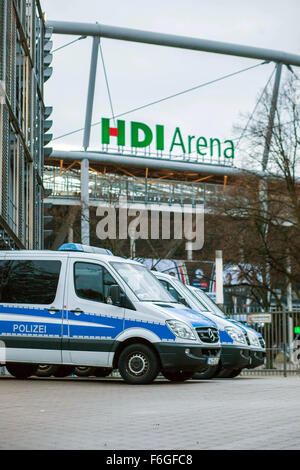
x=219 y=278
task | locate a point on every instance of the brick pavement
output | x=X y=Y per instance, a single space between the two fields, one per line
x=77 y=413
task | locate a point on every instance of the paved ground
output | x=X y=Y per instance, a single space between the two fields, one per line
x=75 y=413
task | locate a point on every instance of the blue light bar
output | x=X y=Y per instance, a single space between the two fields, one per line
x=84 y=248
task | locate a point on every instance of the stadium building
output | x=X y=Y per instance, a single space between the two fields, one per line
x=24 y=67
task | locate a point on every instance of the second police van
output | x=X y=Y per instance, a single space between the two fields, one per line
x=240 y=345
x=82 y=306
x=255 y=338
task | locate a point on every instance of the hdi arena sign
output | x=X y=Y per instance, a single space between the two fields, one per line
x=142 y=136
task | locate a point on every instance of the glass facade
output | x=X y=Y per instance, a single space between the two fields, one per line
x=65 y=185
x=22 y=32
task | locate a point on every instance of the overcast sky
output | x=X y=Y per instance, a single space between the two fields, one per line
x=140 y=73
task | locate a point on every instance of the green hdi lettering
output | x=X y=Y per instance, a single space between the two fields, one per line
x=142 y=136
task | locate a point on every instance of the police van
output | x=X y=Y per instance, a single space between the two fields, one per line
x=82 y=306
x=235 y=343
x=254 y=338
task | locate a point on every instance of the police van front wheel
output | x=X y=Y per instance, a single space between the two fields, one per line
x=235 y=373
x=228 y=373
x=207 y=374
x=138 y=364
x=179 y=376
x=21 y=371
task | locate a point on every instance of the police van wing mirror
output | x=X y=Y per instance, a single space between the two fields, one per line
x=182 y=300
x=115 y=295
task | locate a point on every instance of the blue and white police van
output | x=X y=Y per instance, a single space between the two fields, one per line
x=82 y=306
x=254 y=338
x=235 y=354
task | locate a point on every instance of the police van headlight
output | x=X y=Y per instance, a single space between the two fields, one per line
x=262 y=342
x=180 y=329
x=235 y=334
x=254 y=341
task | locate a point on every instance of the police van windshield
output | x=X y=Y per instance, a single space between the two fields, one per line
x=143 y=283
x=189 y=294
x=214 y=308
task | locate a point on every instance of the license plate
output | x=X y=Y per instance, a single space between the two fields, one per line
x=213 y=361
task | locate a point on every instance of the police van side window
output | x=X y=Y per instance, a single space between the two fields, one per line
x=92 y=281
x=29 y=281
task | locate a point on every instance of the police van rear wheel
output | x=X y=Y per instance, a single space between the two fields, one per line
x=63 y=371
x=45 y=370
x=21 y=371
x=138 y=364
x=179 y=376
x=81 y=371
x=102 y=371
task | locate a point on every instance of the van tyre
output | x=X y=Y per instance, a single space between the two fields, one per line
x=63 y=371
x=21 y=371
x=138 y=364
x=179 y=376
x=225 y=373
x=207 y=374
x=235 y=373
x=46 y=370
x=102 y=371
x=81 y=371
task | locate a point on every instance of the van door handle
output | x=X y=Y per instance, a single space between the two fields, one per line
x=53 y=310
x=77 y=311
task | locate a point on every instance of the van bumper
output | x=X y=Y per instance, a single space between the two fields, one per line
x=235 y=357
x=257 y=358
x=187 y=357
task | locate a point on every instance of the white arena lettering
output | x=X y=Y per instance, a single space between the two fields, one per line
x=21 y=328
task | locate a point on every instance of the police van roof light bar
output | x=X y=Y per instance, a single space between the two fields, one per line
x=84 y=248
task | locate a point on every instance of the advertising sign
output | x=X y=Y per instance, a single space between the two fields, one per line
x=259 y=318
x=142 y=136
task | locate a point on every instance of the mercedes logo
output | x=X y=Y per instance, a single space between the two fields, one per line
x=211 y=334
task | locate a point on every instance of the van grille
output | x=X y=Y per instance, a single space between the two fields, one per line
x=208 y=335
x=210 y=352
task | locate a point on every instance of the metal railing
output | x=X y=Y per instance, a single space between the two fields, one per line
x=193 y=157
x=281 y=332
